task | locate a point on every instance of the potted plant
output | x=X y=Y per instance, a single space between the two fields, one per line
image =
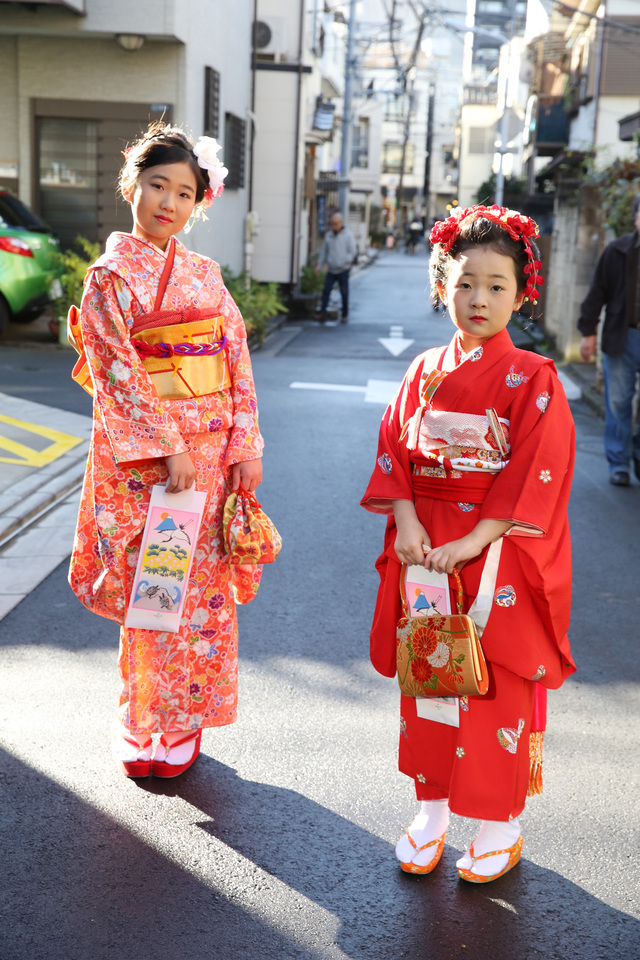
x=74 y=264
x=257 y=302
x=304 y=300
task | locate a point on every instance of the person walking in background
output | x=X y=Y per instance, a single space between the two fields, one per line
x=337 y=254
x=415 y=233
x=616 y=286
x=148 y=432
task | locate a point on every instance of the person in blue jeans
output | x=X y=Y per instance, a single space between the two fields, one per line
x=338 y=253
x=616 y=286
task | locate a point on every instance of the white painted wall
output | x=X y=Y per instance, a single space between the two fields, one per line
x=157 y=18
x=608 y=144
x=273 y=174
x=474 y=167
x=228 y=51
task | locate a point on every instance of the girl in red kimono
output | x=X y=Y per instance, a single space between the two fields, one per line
x=451 y=486
x=203 y=431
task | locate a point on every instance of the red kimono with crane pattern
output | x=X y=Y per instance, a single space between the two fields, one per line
x=436 y=448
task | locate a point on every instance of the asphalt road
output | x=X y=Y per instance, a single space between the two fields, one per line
x=278 y=843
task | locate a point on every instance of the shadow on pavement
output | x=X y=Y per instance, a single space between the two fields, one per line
x=384 y=913
x=77 y=885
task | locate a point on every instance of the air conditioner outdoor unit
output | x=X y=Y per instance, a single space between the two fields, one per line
x=270 y=38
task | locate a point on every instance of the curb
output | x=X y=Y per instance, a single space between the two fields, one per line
x=23 y=511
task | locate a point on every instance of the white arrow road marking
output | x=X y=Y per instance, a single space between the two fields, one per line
x=376 y=391
x=395 y=343
x=571 y=388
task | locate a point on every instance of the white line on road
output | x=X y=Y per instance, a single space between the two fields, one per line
x=298 y=385
x=571 y=388
x=376 y=391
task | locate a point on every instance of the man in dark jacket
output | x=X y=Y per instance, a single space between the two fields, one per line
x=616 y=286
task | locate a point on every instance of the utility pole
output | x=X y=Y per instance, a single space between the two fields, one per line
x=428 y=150
x=407 y=81
x=345 y=153
x=503 y=128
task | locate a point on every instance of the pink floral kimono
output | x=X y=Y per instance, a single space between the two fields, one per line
x=170 y=681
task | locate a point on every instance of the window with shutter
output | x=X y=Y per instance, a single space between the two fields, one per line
x=234 y=151
x=211 y=102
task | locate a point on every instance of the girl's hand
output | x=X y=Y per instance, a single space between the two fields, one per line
x=411 y=537
x=453 y=554
x=182 y=472
x=457 y=552
x=248 y=473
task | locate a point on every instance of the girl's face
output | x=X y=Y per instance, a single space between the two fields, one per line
x=162 y=200
x=481 y=293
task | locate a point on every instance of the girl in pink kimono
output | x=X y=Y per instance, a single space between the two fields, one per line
x=174 y=684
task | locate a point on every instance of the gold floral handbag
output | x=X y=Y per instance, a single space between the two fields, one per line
x=439 y=655
x=249 y=536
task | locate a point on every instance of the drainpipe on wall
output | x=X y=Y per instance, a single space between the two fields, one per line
x=251 y=220
x=295 y=240
x=597 y=79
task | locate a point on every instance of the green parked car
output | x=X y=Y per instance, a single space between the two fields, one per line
x=29 y=273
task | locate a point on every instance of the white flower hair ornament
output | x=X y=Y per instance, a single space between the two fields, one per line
x=206 y=152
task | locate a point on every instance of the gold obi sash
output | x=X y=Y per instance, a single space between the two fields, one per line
x=184 y=352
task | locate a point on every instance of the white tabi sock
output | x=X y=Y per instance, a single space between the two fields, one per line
x=430 y=824
x=127 y=752
x=177 y=755
x=493 y=835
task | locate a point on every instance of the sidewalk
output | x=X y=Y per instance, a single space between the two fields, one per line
x=43 y=452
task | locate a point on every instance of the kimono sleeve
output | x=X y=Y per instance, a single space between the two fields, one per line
x=392 y=475
x=136 y=424
x=245 y=442
x=533 y=490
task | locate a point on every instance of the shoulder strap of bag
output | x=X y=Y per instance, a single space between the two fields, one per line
x=166 y=273
x=481 y=606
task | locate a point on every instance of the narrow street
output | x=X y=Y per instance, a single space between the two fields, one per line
x=278 y=843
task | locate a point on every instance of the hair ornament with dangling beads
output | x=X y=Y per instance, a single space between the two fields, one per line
x=516 y=225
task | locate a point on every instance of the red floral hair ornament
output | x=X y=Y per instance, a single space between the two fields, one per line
x=519 y=228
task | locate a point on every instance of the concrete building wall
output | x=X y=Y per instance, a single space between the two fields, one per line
x=608 y=144
x=274 y=174
x=157 y=18
x=576 y=242
x=228 y=51
x=475 y=168
x=9 y=152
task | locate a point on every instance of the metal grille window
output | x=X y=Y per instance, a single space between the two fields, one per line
x=392 y=157
x=396 y=107
x=234 y=150
x=360 y=146
x=211 y=102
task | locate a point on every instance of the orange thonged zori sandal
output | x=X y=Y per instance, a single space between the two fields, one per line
x=514 y=856
x=412 y=867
